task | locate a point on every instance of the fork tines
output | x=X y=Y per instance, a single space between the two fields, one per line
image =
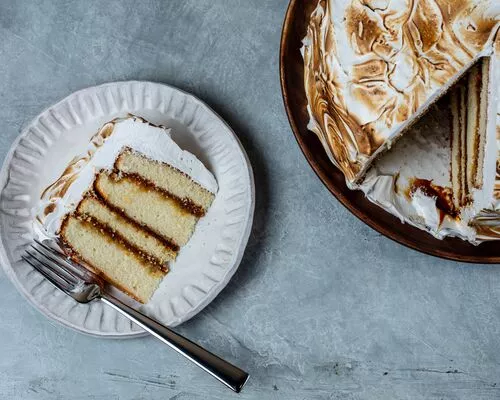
x=53 y=265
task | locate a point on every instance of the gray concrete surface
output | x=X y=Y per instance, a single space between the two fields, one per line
x=322 y=307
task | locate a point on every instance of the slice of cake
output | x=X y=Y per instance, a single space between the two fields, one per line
x=128 y=205
x=372 y=68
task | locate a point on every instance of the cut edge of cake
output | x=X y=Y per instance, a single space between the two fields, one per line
x=84 y=239
x=145 y=205
x=438 y=200
x=164 y=177
x=473 y=152
x=157 y=250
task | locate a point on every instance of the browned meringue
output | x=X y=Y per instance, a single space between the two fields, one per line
x=373 y=66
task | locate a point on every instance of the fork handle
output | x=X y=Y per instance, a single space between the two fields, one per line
x=230 y=375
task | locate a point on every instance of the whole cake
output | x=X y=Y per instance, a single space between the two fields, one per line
x=373 y=69
x=128 y=205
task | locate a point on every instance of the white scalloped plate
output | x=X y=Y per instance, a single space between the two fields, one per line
x=213 y=254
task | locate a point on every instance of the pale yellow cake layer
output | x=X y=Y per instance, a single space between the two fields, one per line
x=136 y=236
x=149 y=207
x=458 y=100
x=475 y=135
x=165 y=177
x=484 y=77
x=120 y=266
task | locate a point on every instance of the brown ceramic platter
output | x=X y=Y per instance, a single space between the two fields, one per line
x=292 y=85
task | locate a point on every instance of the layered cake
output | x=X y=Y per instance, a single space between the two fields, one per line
x=376 y=72
x=431 y=177
x=128 y=205
x=373 y=67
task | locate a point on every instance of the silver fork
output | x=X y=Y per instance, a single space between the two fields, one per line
x=84 y=286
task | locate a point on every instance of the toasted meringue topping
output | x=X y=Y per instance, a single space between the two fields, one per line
x=373 y=66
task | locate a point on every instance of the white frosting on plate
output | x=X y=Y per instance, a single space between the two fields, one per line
x=134 y=132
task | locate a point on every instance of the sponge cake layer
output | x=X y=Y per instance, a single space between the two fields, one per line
x=166 y=178
x=147 y=206
x=161 y=251
x=110 y=257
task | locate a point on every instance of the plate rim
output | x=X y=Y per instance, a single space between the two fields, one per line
x=287 y=28
x=211 y=295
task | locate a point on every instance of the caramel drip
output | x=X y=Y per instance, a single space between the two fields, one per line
x=443 y=196
x=50 y=208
